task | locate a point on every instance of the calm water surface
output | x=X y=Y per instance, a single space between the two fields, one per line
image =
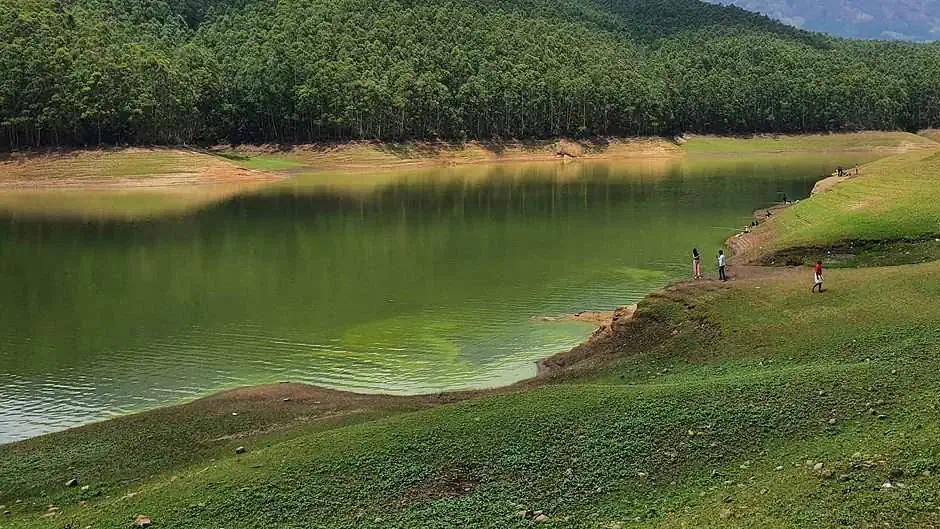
x=402 y=283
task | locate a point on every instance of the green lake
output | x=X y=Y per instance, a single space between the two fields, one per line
x=404 y=283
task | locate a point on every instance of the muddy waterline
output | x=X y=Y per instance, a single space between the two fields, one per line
x=403 y=283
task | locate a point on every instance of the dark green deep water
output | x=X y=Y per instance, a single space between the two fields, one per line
x=416 y=284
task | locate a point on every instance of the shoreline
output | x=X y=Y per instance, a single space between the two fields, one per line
x=182 y=167
x=319 y=403
x=718 y=376
x=614 y=327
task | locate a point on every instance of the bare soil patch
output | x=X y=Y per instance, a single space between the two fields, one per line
x=136 y=168
x=450 y=484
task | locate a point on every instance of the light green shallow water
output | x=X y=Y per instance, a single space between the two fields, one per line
x=405 y=284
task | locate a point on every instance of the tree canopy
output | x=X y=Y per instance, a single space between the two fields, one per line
x=87 y=72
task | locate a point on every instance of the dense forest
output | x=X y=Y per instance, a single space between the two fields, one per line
x=88 y=72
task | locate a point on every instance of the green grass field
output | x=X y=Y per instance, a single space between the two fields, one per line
x=893 y=199
x=885 y=142
x=755 y=404
x=687 y=432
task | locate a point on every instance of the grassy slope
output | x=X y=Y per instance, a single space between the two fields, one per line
x=683 y=432
x=893 y=198
x=884 y=141
x=748 y=383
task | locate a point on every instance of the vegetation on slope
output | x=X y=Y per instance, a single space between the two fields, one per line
x=751 y=405
x=166 y=71
x=712 y=427
x=887 y=201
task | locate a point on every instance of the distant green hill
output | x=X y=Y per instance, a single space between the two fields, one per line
x=917 y=20
x=79 y=72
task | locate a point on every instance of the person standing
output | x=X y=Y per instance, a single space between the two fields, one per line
x=721 y=266
x=696 y=264
x=818 y=277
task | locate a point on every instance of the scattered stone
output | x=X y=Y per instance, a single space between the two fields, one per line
x=142 y=521
x=763 y=491
x=234 y=414
x=822 y=393
x=817 y=467
x=926 y=473
x=240 y=450
x=525 y=515
x=7 y=513
x=83 y=503
x=726 y=514
x=642 y=475
x=894 y=371
x=832 y=421
x=540 y=518
x=287 y=399
x=882 y=417
x=887 y=485
x=827 y=474
x=72 y=482
x=778 y=469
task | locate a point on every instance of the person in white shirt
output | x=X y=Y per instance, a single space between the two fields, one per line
x=721 y=266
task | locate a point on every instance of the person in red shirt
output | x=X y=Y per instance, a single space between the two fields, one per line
x=818 y=277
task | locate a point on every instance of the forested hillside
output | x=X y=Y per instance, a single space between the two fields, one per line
x=86 y=72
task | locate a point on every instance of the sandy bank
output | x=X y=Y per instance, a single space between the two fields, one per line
x=141 y=167
x=123 y=169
